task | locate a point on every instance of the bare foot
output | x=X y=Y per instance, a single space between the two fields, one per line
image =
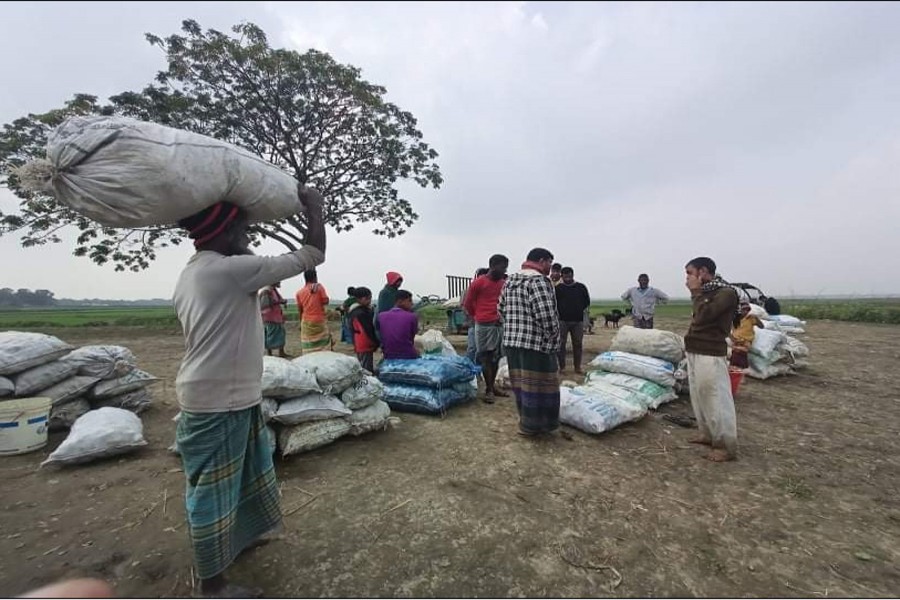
x=74 y=588
x=719 y=455
x=700 y=439
x=488 y=398
x=579 y=372
x=500 y=394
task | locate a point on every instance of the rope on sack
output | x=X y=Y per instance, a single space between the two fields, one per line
x=36 y=175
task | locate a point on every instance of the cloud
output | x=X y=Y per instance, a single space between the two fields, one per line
x=625 y=137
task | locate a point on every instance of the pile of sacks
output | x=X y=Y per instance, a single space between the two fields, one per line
x=429 y=385
x=318 y=398
x=775 y=353
x=639 y=373
x=97 y=391
x=783 y=323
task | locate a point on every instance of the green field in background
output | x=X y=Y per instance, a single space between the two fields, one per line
x=864 y=310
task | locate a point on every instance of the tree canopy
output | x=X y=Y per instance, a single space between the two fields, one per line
x=305 y=112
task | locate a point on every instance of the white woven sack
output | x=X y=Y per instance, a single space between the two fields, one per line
x=22 y=350
x=98 y=433
x=122 y=172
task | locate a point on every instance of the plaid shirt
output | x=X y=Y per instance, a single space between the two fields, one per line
x=528 y=309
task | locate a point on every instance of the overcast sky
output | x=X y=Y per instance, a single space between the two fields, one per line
x=625 y=138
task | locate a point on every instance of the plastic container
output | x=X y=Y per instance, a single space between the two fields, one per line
x=737 y=376
x=23 y=425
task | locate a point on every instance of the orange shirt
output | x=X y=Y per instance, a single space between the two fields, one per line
x=312 y=300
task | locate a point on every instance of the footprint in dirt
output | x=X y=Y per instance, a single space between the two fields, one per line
x=112 y=566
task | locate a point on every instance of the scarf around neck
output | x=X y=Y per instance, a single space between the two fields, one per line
x=532 y=266
x=715 y=284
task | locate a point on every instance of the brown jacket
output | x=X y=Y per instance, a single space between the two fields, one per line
x=711 y=324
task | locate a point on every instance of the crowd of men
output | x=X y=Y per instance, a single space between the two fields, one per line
x=232 y=498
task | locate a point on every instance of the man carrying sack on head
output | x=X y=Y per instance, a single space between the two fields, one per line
x=232 y=495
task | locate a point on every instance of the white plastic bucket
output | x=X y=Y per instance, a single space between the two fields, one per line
x=23 y=425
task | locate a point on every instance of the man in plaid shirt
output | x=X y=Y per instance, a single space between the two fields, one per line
x=531 y=341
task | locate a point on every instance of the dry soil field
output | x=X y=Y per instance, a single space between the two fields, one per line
x=462 y=506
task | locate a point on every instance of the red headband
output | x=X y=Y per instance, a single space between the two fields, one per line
x=208 y=221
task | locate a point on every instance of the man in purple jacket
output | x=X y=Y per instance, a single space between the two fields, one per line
x=398 y=327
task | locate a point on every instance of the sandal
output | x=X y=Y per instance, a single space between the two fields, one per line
x=681 y=420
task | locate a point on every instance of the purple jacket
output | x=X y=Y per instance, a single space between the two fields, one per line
x=398 y=329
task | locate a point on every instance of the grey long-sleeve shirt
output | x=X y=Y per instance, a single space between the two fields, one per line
x=643 y=302
x=215 y=300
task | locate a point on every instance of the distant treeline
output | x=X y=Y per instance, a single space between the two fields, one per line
x=25 y=298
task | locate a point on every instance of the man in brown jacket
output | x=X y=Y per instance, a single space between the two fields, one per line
x=715 y=303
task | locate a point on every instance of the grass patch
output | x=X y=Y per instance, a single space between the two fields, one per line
x=876 y=310
x=163 y=316
x=797 y=488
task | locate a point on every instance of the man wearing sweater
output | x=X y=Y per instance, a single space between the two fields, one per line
x=232 y=495
x=643 y=300
x=572 y=299
x=481 y=301
x=715 y=303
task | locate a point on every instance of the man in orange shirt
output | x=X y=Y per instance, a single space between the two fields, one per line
x=312 y=301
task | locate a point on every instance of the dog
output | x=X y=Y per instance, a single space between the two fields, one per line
x=614 y=316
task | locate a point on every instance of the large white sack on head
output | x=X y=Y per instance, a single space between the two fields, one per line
x=657 y=394
x=98 y=433
x=653 y=369
x=131 y=381
x=43 y=376
x=591 y=411
x=22 y=350
x=308 y=436
x=765 y=342
x=434 y=342
x=363 y=393
x=105 y=362
x=137 y=401
x=282 y=378
x=7 y=387
x=311 y=407
x=334 y=372
x=371 y=418
x=657 y=343
x=68 y=389
x=122 y=172
x=63 y=416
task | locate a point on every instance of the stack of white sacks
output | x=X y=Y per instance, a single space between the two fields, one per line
x=99 y=385
x=316 y=399
x=638 y=373
x=774 y=352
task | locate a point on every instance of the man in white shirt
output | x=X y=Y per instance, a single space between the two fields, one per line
x=232 y=495
x=643 y=300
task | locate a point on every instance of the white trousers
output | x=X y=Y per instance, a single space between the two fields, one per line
x=712 y=401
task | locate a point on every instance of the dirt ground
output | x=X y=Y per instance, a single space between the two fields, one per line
x=463 y=507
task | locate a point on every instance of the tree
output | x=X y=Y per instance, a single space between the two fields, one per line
x=304 y=112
